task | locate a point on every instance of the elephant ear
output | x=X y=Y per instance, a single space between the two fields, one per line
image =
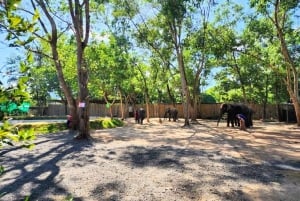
x=229 y=107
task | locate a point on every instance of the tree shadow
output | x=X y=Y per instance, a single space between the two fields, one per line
x=39 y=169
x=187 y=154
x=259 y=153
x=162 y=157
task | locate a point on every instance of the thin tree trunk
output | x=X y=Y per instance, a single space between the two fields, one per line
x=55 y=56
x=266 y=98
x=122 y=106
x=147 y=105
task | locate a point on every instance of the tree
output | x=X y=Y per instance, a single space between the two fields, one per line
x=173 y=14
x=80 y=14
x=109 y=57
x=48 y=26
x=281 y=15
x=42 y=82
x=242 y=59
x=200 y=53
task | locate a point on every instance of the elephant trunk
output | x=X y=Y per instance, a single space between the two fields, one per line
x=220 y=117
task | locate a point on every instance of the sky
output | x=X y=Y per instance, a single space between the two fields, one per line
x=5 y=51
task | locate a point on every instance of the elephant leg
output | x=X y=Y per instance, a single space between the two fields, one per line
x=247 y=112
x=237 y=122
x=230 y=120
x=167 y=114
x=248 y=121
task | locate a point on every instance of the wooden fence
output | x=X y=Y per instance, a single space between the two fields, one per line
x=205 y=111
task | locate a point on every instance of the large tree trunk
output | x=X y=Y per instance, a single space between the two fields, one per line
x=185 y=90
x=295 y=103
x=146 y=92
x=297 y=109
x=80 y=17
x=83 y=106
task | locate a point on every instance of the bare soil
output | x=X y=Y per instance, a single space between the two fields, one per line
x=159 y=162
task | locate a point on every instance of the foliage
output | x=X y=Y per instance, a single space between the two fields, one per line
x=10 y=134
x=42 y=127
x=43 y=82
x=106 y=123
x=207 y=98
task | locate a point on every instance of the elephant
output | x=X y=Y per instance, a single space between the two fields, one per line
x=141 y=115
x=232 y=110
x=171 y=113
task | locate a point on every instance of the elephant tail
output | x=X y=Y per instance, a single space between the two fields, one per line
x=218 y=121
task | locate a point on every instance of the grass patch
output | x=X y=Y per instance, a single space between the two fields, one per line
x=105 y=123
x=43 y=127
x=54 y=127
x=36 y=117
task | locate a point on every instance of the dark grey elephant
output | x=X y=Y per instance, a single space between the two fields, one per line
x=171 y=113
x=141 y=115
x=232 y=110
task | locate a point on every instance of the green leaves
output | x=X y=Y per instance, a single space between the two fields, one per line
x=35 y=16
x=15 y=21
x=9 y=135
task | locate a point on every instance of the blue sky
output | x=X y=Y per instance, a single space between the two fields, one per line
x=5 y=51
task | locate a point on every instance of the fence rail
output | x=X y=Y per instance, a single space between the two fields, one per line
x=205 y=111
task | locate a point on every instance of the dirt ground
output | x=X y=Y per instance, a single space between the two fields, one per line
x=159 y=162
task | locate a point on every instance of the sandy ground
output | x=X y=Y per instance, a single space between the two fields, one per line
x=159 y=162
